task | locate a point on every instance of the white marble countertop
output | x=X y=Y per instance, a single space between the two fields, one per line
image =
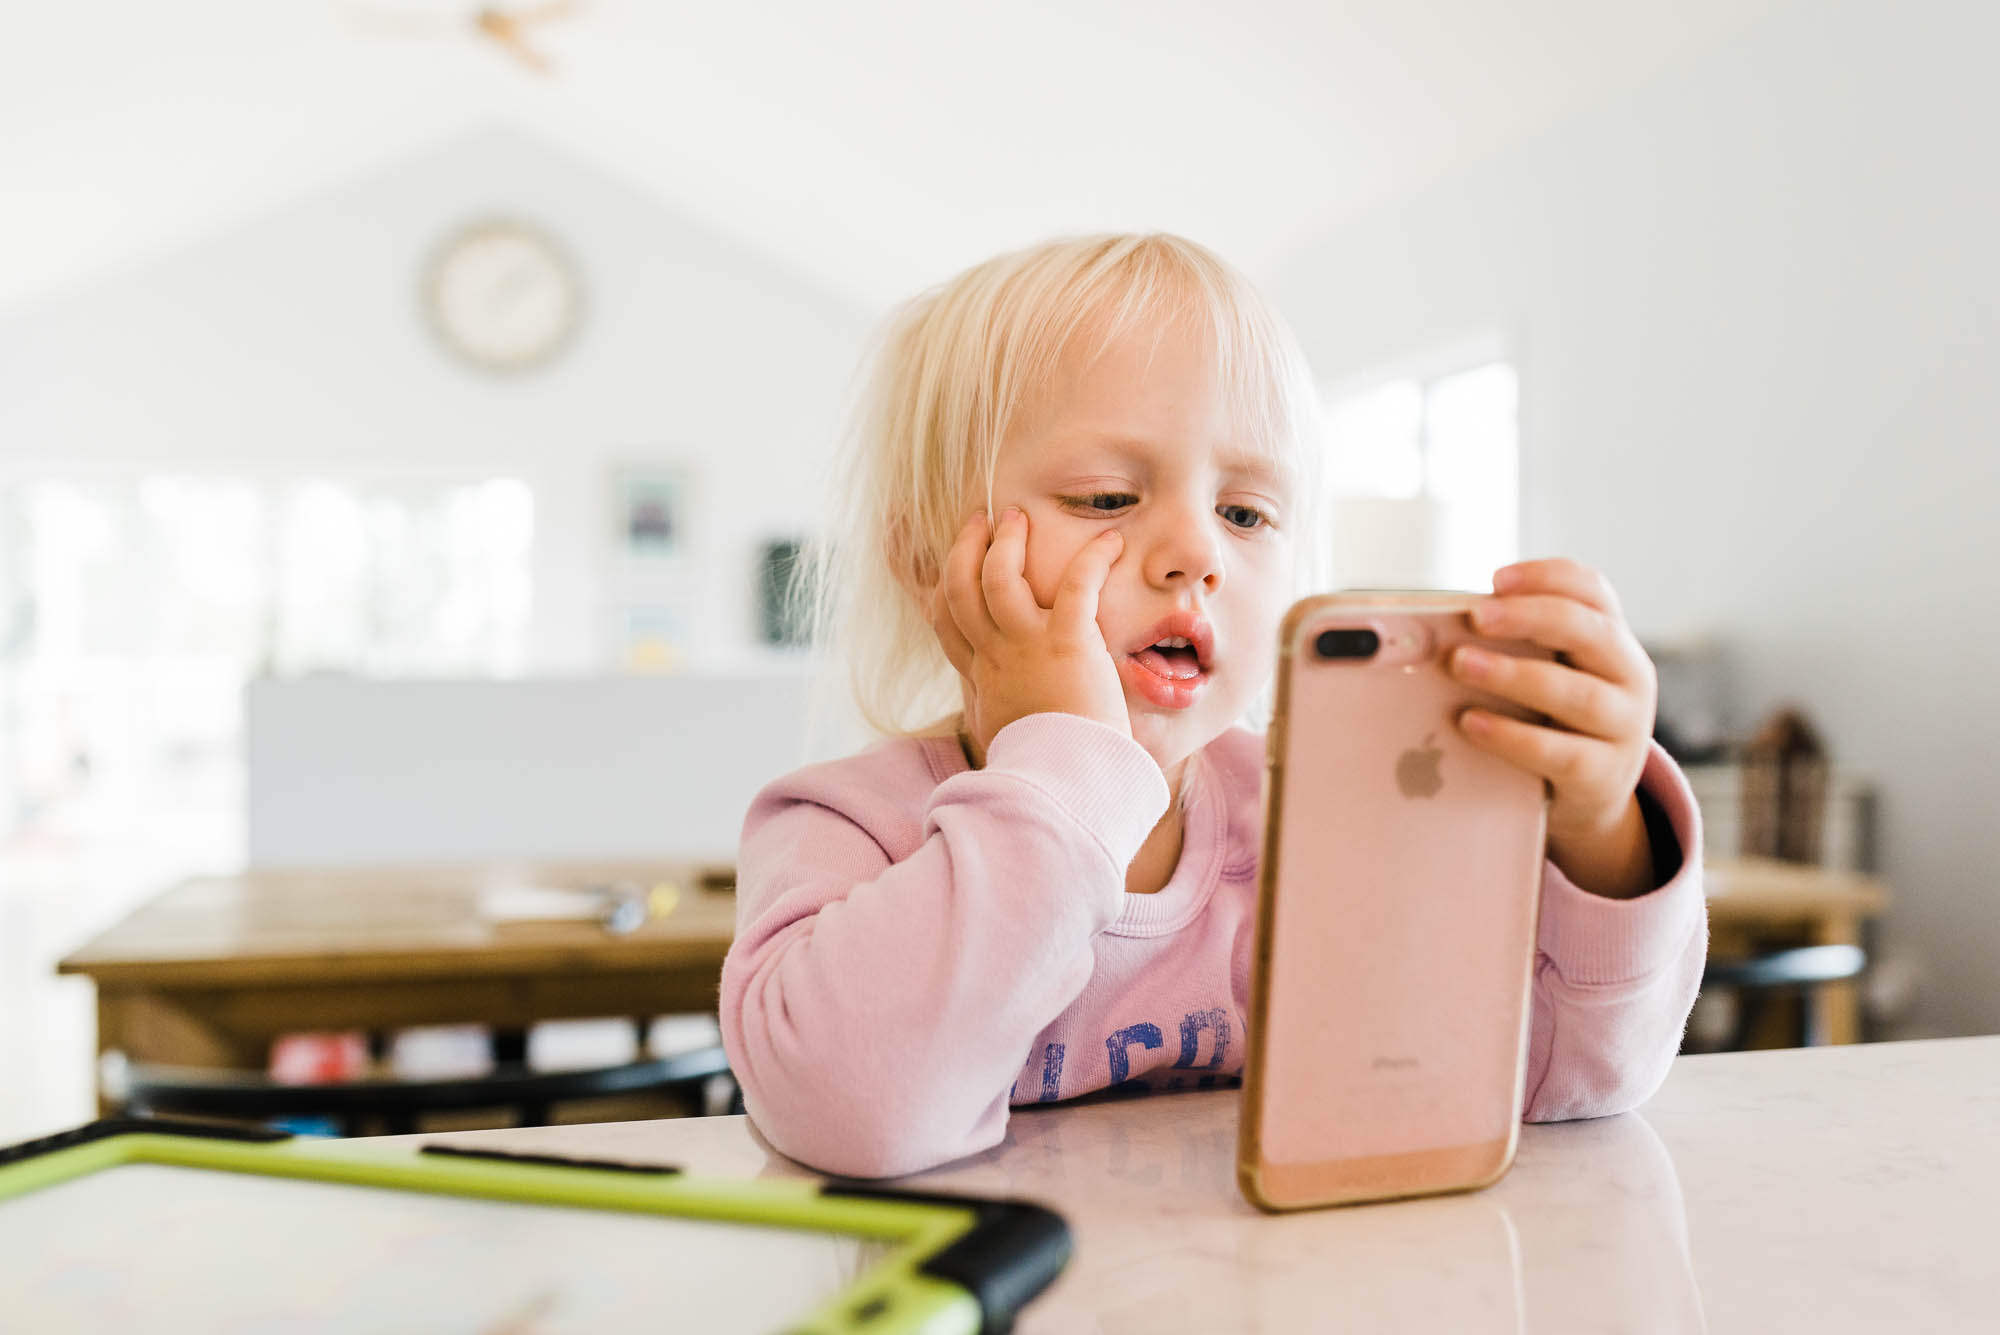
x=1823 y=1190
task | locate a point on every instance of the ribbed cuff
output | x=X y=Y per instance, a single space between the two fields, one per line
x=1594 y=940
x=1103 y=778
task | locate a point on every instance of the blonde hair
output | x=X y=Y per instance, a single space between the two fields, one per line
x=954 y=368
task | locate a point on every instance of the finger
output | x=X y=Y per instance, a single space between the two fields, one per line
x=1571 y=762
x=1588 y=638
x=1559 y=575
x=961 y=583
x=957 y=649
x=1082 y=581
x=1575 y=699
x=1002 y=576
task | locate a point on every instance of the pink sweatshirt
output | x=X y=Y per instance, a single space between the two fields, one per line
x=921 y=946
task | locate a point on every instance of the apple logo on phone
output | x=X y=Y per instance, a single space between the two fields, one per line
x=1417 y=770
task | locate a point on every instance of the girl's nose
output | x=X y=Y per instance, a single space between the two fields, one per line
x=1183 y=549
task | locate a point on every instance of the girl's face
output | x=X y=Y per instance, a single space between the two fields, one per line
x=1141 y=441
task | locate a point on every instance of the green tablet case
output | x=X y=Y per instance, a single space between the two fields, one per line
x=939 y=1263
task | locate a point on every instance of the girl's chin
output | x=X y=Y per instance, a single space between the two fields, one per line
x=1171 y=738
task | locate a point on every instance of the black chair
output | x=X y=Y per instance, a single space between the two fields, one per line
x=394 y=1105
x=1797 y=971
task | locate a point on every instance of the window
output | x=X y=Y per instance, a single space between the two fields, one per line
x=132 y=612
x=1423 y=474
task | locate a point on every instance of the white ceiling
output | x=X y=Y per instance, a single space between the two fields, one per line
x=875 y=145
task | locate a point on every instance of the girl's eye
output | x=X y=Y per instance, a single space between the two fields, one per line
x=1245 y=517
x=1100 y=501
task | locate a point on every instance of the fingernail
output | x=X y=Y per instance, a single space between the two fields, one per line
x=1474 y=662
x=1506 y=578
x=1485 y=613
x=1474 y=721
x=1111 y=533
x=1012 y=512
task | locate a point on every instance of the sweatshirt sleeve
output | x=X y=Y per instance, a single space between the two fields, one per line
x=1615 y=978
x=875 y=1012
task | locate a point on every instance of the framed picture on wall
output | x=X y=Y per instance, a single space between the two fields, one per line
x=650 y=512
x=653 y=638
x=779 y=621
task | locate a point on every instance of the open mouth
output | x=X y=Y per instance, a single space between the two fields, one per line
x=1172 y=666
x=1174 y=660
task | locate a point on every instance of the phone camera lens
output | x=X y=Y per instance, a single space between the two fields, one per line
x=1361 y=643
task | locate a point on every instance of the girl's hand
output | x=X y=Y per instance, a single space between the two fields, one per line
x=1601 y=693
x=1019 y=657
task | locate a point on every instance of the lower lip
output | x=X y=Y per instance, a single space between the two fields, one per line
x=1166 y=692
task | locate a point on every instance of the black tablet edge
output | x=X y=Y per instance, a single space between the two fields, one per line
x=105 y=1128
x=548 y=1160
x=1013 y=1251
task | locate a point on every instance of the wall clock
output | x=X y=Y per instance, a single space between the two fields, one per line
x=503 y=296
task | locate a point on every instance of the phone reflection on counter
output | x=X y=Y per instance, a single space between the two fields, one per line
x=1442 y=1263
x=1588 y=1228
x=1604 y=1233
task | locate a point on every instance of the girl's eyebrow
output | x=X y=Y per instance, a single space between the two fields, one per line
x=1137 y=450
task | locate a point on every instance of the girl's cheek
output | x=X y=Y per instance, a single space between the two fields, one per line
x=1044 y=569
x=1050 y=550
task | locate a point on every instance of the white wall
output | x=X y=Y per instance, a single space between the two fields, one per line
x=346 y=772
x=1757 y=310
x=298 y=344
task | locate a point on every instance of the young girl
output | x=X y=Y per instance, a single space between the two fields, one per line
x=1076 y=514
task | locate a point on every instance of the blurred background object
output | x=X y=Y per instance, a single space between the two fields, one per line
x=782 y=619
x=1694 y=718
x=1785 y=789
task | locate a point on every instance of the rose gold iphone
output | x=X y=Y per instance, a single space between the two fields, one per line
x=1399 y=884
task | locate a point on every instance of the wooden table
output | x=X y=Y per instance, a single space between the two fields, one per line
x=211 y=971
x=208 y=973
x=1817 y=1189
x=1753 y=900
